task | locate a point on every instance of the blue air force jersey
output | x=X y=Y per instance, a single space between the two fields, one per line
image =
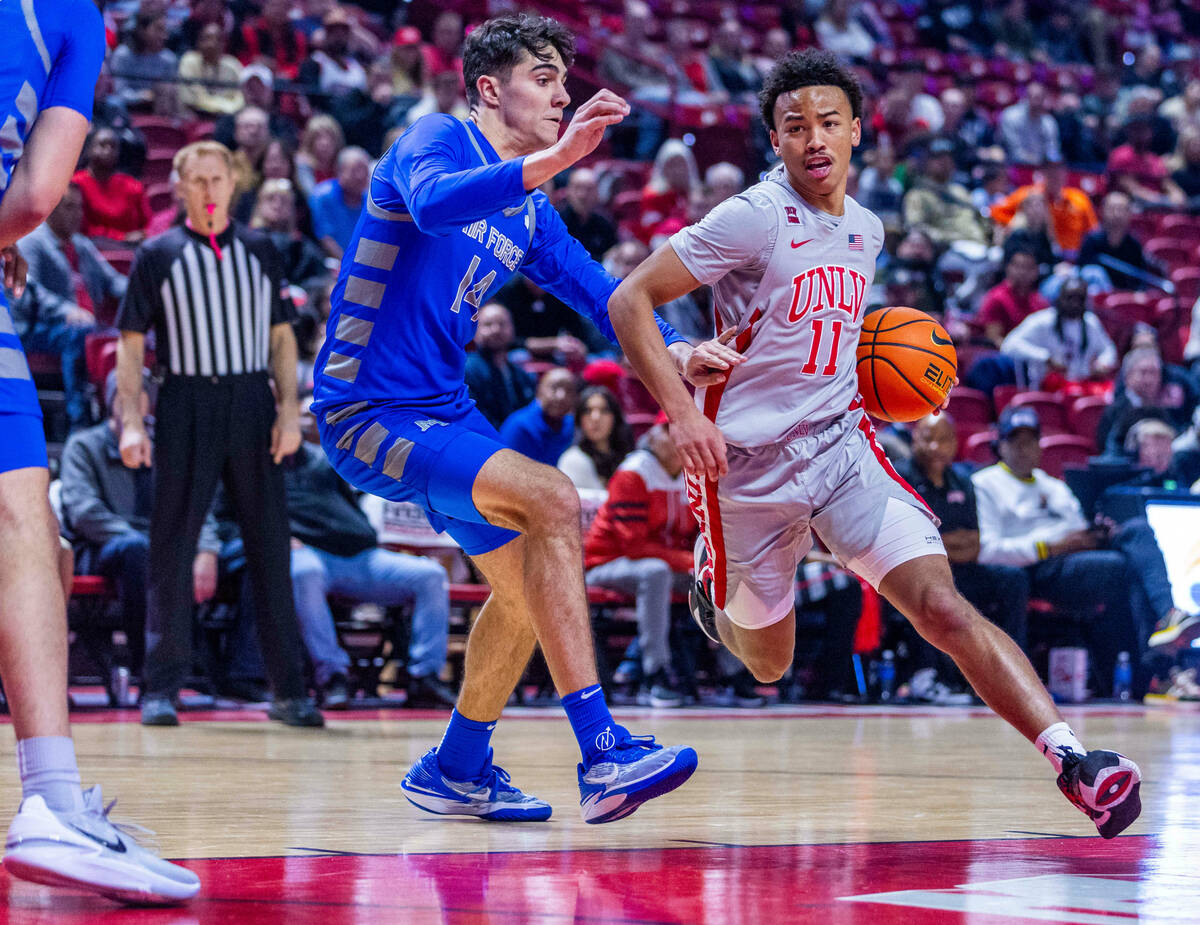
x=52 y=52
x=446 y=223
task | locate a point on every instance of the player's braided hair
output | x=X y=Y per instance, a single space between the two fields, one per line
x=811 y=67
x=495 y=47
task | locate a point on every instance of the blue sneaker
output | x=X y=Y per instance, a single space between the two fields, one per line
x=489 y=797
x=635 y=769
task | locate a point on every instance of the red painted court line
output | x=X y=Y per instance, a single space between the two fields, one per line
x=939 y=883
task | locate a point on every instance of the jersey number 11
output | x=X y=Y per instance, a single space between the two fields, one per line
x=818 y=330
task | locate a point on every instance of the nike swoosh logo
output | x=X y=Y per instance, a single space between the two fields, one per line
x=491 y=727
x=510 y=212
x=592 y=693
x=796 y=244
x=941 y=341
x=112 y=846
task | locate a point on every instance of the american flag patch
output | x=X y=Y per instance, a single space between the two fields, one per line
x=856 y=242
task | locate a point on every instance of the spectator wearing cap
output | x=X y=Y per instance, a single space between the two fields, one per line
x=1137 y=171
x=1062 y=344
x=331 y=69
x=1027 y=130
x=544 y=428
x=336 y=203
x=209 y=78
x=272 y=38
x=1031 y=520
x=1114 y=248
x=941 y=206
x=641 y=543
x=409 y=77
x=1072 y=215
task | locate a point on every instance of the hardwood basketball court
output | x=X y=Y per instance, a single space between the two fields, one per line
x=797 y=814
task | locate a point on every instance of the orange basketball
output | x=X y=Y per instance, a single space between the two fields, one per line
x=906 y=364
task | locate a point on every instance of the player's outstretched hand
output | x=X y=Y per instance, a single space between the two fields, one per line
x=584 y=132
x=712 y=361
x=15 y=270
x=701 y=445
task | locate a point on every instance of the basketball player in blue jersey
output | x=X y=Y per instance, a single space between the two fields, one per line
x=452 y=212
x=61 y=835
x=790 y=261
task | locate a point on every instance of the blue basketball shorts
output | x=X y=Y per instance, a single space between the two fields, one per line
x=425 y=456
x=22 y=441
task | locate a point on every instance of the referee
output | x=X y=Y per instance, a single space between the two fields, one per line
x=212 y=292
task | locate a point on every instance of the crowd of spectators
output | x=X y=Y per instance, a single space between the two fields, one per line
x=1036 y=165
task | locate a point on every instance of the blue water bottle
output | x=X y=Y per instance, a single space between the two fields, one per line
x=887 y=677
x=1122 y=677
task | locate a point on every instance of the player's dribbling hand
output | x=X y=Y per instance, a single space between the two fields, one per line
x=712 y=361
x=584 y=132
x=700 y=444
x=15 y=270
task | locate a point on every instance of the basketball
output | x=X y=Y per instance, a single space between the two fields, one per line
x=906 y=364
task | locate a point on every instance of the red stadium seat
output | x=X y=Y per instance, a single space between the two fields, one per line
x=977 y=448
x=1002 y=395
x=160 y=132
x=1181 y=225
x=1062 y=450
x=160 y=197
x=1085 y=415
x=1187 y=284
x=970 y=408
x=1049 y=408
x=1174 y=252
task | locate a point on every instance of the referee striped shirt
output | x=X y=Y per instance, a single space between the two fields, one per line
x=211 y=317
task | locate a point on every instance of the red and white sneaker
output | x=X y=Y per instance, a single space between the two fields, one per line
x=1105 y=786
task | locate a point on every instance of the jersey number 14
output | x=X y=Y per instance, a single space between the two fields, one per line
x=470 y=291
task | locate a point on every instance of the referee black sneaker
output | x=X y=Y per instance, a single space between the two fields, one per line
x=1106 y=788
x=700 y=603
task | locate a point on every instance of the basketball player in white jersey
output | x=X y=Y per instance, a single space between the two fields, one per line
x=776 y=443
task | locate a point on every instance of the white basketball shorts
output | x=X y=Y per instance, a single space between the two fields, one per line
x=756 y=523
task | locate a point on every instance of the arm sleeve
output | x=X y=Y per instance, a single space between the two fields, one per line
x=73 y=74
x=427 y=173
x=85 y=512
x=560 y=265
x=733 y=235
x=994 y=547
x=140 y=306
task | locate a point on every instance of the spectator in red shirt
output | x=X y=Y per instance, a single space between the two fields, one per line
x=274 y=36
x=1139 y=172
x=1008 y=304
x=641 y=541
x=674 y=180
x=114 y=204
x=444 y=53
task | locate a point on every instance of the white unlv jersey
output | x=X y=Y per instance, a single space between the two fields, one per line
x=794 y=282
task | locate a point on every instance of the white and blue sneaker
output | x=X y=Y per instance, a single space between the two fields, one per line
x=631 y=771
x=489 y=797
x=84 y=850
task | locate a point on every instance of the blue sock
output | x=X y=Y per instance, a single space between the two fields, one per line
x=464 y=751
x=47 y=767
x=588 y=714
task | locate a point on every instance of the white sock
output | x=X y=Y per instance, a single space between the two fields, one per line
x=1054 y=740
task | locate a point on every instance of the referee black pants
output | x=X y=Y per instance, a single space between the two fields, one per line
x=208 y=429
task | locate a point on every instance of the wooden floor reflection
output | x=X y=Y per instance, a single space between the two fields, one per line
x=792 y=816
